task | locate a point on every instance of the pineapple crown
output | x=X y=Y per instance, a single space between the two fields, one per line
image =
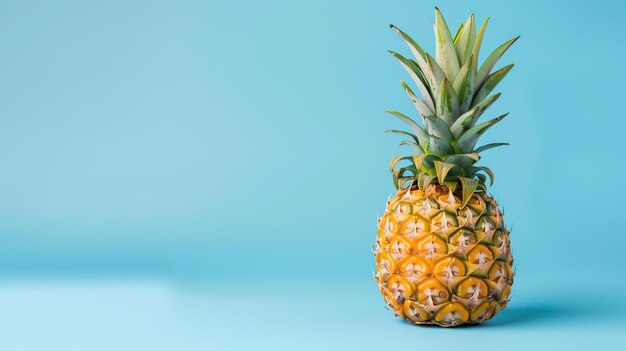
x=455 y=93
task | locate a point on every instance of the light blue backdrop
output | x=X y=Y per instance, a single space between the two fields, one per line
x=242 y=143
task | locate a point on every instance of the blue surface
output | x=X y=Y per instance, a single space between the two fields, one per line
x=147 y=314
x=208 y=173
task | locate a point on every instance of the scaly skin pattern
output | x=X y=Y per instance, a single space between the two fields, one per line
x=440 y=263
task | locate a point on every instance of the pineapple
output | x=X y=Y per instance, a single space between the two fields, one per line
x=442 y=251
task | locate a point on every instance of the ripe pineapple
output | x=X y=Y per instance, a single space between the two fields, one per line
x=442 y=251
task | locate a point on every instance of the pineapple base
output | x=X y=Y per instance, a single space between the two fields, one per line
x=442 y=263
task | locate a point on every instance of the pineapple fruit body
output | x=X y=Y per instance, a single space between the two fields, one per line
x=442 y=249
x=440 y=263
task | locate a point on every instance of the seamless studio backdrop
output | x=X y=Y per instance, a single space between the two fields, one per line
x=207 y=174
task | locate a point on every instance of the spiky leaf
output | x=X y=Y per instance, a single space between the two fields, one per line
x=464 y=122
x=492 y=81
x=417 y=50
x=395 y=160
x=445 y=53
x=413 y=45
x=472 y=171
x=438 y=128
x=468 y=139
x=425 y=162
x=465 y=40
x=423 y=180
x=489 y=146
x=485 y=69
x=447 y=103
x=418 y=77
x=464 y=86
x=418 y=149
x=451 y=184
x=401 y=181
x=469 y=119
x=442 y=169
x=421 y=135
x=478 y=42
x=463 y=160
x=468 y=186
x=437 y=76
x=402 y=132
x=439 y=146
x=483 y=105
x=398 y=176
x=489 y=173
x=455 y=40
x=420 y=104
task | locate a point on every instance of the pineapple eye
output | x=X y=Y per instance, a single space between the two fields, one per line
x=485 y=224
x=431 y=204
x=467 y=212
x=474 y=200
x=404 y=208
x=498 y=238
x=463 y=240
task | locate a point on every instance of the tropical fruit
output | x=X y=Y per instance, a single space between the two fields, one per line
x=443 y=252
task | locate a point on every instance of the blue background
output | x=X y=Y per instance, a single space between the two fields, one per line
x=197 y=174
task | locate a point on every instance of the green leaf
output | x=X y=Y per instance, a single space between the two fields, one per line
x=489 y=146
x=464 y=85
x=486 y=102
x=442 y=169
x=395 y=160
x=482 y=178
x=489 y=173
x=469 y=186
x=451 y=185
x=438 y=128
x=473 y=172
x=467 y=140
x=492 y=81
x=418 y=52
x=402 y=170
x=418 y=149
x=482 y=107
x=458 y=34
x=423 y=180
x=485 y=69
x=447 y=102
x=398 y=176
x=463 y=160
x=465 y=40
x=421 y=135
x=418 y=77
x=445 y=53
x=439 y=147
x=402 y=132
x=478 y=42
x=413 y=45
x=425 y=161
x=463 y=122
x=437 y=76
x=401 y=181
x=469 y=118
x=420 y=104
